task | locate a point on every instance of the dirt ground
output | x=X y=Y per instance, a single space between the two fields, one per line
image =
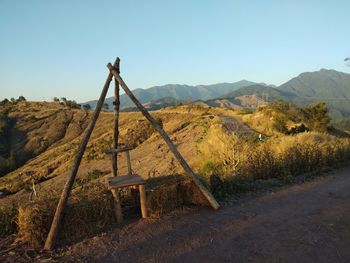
x=309 y=222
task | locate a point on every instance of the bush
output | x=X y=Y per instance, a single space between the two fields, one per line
x=316 y=117
x=280 y=124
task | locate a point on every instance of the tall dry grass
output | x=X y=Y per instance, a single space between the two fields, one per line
x=90 y=210
x=234 y=164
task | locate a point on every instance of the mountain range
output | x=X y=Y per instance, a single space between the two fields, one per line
x=178 y=92
x=330 y=86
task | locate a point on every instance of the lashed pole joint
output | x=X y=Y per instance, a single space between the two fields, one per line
x=166 y=138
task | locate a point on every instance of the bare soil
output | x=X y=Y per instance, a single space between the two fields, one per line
x=309 y=222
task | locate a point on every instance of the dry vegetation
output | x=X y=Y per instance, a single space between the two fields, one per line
x=222 y=145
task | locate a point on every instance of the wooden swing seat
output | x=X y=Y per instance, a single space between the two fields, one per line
x=124 y=181
x=130 y=180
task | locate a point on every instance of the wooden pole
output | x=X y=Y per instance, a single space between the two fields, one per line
x=166 y=138
x=116 y=121
x=128 y=161
x=143 y=200
x=51 y=237
x=117 y=206
x=115 y=192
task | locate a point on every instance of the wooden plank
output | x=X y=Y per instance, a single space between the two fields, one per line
x=124 y=181
x=166 y=138
x=143 y=201
x=119 y=149
x=51 y=238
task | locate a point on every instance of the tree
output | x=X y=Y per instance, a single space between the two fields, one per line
x=105 y=106
x=347 y=61
x=4 y=101
x=55 y=99
x=72 y=104
x=21 y=98
x=64 y=100
x=280 y=124
x=86 y=107
x=13 y=100
x=316 y=117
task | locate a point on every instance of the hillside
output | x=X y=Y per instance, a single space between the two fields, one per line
x=264 y=92
x=251 y=101
x=37 y=127
x=155 y=105
x=319 y=84
x=232 y=152
x=45 y=137
x=330 y=86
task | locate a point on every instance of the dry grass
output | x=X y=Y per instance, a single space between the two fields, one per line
x=90 y=210
x=238 y=163
x=8 y=216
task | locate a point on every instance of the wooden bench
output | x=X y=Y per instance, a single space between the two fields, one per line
x=130 y=180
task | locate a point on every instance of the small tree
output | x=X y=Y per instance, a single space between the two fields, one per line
x=316 y=117
x=105 y=106
x=5 y=101
x=64 y=100
x=87 y=107
x=280 y=124
x=74 y=104
x=55 y=99
x=21 y=98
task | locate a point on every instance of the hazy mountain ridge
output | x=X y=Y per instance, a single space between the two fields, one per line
x=178 y=92
x=330 y=86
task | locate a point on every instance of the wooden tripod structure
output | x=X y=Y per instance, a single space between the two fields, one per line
x=114 y=71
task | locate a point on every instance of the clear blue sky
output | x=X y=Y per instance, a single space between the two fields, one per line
x=61 y=48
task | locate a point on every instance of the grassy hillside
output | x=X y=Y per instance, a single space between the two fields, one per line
x=232 y=151
x=47 y=135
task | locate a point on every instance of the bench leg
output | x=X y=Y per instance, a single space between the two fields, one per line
x=117 y=206
x=143 y=200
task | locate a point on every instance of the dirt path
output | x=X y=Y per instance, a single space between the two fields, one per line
x=302 y=223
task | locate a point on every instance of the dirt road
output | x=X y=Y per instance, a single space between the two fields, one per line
x=301 y=223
